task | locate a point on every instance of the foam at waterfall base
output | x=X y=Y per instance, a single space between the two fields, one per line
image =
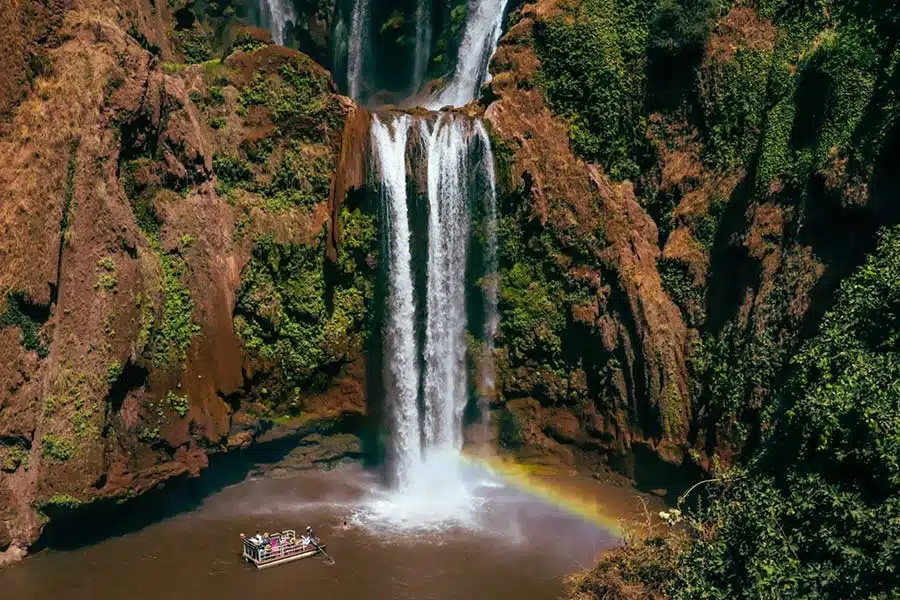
x=439 y=493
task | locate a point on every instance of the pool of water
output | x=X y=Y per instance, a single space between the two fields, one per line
x=461 y=535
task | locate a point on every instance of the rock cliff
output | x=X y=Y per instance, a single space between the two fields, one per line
x=189 y=250
x=165 y=288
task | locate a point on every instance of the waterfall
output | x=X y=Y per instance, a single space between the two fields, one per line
x=357 y=47
x=275 y=15
x=425 y=329
x=491 y=266
x=426 y=382
x=445 y=391
x=484 y=19
x=402 y=372
x=423 y=43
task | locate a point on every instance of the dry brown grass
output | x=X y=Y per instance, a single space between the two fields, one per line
x=639 y=569
x=741 y=28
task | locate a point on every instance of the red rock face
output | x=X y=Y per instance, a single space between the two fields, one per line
x=85 y=412
x=632 y=317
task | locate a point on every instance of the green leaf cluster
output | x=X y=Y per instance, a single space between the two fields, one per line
x=817 y=513
x=593 y=59
x=17 y=314
x=303 y=315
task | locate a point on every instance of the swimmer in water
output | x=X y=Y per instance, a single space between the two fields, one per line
x=344 y=525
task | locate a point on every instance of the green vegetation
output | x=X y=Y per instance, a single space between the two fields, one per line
x=20 y=313
x=194 y=45
x=75 y=397
x=57 y=502
x=680 y=27
x=166 y=337
x=592 y=67
x=733 y=93
x=302 y=178
x=822 y=501
x=246 y=42
x=448 y=38
x=114 y=370
x=171 y=340
x=231 y=171
x=800 y=98
x=148 y=435
x=106 y=277
x=179 y=403
x=679 y=285
x=300 y=316
x=532 y=313
x=216 y=96
x=299 y=91
x=815 y=513
x=12 y=457
x=57 y=448
x=282 y=315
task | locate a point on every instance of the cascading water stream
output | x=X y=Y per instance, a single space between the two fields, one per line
x=490 y=284
x=423 y=43
x=402 y=376
x=445 y=387
x=275 y=15
x=425 y=343
x=427 y=431
x=484 y=19
x=357 y=47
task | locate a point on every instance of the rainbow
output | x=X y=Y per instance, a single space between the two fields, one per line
x=536 y=480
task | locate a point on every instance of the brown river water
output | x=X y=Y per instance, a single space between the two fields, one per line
x=495 y=541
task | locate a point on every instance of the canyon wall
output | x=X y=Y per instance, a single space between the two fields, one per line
x=189 y=243
x=165 y=287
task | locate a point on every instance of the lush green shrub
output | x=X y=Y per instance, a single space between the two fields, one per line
x=171 y=339
x=533 y=313
x=301 y=178
x=194 y=45
x=677 y=27
x=734 y=93
x=592 y=69
x=179 y=403
x=231 y=171
x=57 y=448
x=299 y=91
x=817 y=513
x=290 y=316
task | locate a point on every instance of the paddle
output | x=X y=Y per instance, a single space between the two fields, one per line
x=322 y=550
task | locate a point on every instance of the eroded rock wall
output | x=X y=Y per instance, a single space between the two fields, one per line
x=146 y=209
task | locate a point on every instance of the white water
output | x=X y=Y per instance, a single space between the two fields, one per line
x=423 y=43
x=427 y=431
x=430 y=490
x=484 y=19
x=402 y=370
x=491 y=266
x=340 y=45
x=357 y=47
x=275 y=15
x=445 y=388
